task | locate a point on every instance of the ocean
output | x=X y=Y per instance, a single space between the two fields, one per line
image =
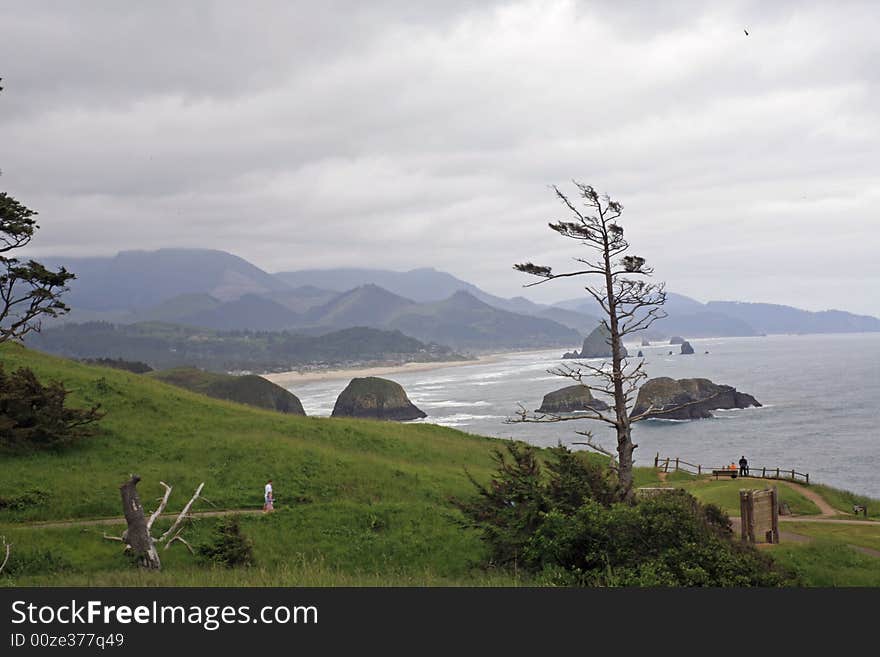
x=820 y=396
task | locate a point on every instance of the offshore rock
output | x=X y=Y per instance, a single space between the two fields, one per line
x=570 y=399
x=380 y=399
x=701 y=397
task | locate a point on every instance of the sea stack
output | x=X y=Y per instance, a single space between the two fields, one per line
x=664 y=393
x=676 y=339
x=379 y=399
x=570 y=399
x=596 y=344
x=686 y=348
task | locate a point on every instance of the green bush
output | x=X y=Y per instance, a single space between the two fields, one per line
x=567 y=528
x=23 y=561
x=229 y=547
x=29 y=498
x=33 y=415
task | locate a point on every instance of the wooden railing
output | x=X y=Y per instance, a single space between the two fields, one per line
x=677 y=464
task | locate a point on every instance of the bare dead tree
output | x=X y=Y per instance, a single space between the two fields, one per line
x=138 y=538
x=629 y=304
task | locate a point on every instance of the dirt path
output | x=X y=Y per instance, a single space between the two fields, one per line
x=52 y=524
x=826 y=509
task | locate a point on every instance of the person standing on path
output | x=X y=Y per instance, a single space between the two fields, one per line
x=268 y=498
x=743 y=467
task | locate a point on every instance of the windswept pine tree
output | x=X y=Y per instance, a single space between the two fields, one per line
x=629 y=303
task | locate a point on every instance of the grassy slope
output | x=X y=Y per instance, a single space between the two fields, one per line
x=363 y=496
x=843 y=500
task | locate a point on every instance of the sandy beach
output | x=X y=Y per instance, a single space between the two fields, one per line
x=291 y=379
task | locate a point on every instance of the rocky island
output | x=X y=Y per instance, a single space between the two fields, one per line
x=376 y=398
x=686 y=348
x=596 y=345
x=664 y=393
x=570 y=399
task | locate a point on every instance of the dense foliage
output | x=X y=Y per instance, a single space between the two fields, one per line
x=135 y=367
x=564 y=526
x=228 y=546
x=34 y=416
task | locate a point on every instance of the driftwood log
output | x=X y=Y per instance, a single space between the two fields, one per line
x=137 y=536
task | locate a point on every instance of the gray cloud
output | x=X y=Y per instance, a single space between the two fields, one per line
x=411 y=134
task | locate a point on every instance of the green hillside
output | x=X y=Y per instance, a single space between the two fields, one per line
x=356 y=497
x=249 y=389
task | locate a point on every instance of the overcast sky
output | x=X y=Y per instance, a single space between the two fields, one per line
x=403 y=134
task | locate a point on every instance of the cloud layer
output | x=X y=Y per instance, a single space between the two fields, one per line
x=397 y=136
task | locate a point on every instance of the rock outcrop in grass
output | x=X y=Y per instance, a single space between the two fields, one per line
x=249 y=389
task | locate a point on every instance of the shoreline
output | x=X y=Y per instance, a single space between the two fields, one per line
x=287 y=379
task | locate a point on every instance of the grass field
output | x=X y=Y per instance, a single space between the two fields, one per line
x=843 y=500
x=829 y=563
x=726 y=495
x=359 y=502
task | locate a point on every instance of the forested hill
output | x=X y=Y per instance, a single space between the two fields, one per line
x=164 y=346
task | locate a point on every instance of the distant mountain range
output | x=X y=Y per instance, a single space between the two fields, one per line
x=216 y=290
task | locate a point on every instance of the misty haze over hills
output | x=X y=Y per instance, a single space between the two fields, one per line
x=217 y=290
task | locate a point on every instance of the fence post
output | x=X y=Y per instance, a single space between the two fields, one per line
x=657 y=460
x=764 y=472
x=743 y=515
x=666 y=467
x=676 y=464
x=774 y=519
x=699 y=469
x=808 y=478
x=792 y=474
x=777 y=473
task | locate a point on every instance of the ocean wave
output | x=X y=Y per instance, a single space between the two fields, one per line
x=452 y=402
x=457 y=419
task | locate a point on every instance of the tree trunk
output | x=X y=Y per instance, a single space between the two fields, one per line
x=625 y=445
x=138 y=535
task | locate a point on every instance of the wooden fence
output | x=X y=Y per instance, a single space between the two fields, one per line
x=677 y=464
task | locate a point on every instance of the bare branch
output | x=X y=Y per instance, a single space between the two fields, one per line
x=183 y=514
x=178 y=537
x=162 y=505
x=8 y=549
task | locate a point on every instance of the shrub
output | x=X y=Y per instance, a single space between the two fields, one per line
x=229 y=547
x=29 y=498
x=567 y=528
x=34 y=416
